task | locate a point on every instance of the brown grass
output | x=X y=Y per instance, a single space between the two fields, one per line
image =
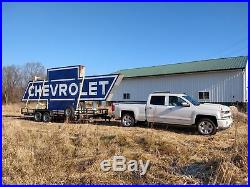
x=54 y=153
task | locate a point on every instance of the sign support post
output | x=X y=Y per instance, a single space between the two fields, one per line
x=81 y=88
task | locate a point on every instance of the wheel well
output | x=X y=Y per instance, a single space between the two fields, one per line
x=213 y=118
x=127 y=112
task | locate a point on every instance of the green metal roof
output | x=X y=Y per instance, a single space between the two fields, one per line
x=188 y=67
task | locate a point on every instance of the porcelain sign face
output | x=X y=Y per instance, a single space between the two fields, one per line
x=94 y=88
x=65 y=84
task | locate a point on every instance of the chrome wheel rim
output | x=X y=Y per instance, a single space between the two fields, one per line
x=37 y=117
x=127 y=120
x=91 y=120
x=68 y=112
x=206 y=127
x=46 y=118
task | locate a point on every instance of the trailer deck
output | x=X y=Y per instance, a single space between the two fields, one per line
x=80 y=116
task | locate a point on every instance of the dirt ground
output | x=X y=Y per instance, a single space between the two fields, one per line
x=59 y=153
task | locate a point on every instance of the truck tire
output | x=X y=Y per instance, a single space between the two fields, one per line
x=206 y=126
x=46 y=117
x=69 y=112
x=127 y=120
x=38 y=116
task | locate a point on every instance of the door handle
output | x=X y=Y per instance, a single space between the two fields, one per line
x=149 y=107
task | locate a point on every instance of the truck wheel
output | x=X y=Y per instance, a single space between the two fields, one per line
x=128 y=120
x=46 y=117
x=38 y=116
x=69 y=112
x=206 y=126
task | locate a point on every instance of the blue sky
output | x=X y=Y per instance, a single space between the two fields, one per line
x=106 y=37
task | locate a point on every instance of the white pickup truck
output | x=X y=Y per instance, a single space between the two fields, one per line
x=181 y=109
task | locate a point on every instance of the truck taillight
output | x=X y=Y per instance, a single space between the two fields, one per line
x=113 y=107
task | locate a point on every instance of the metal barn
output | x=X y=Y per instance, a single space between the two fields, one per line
x=223 y=80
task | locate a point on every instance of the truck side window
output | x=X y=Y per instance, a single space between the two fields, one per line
x=175 y=101
x=157 y=100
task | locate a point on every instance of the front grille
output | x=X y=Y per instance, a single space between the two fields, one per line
x=226 y=117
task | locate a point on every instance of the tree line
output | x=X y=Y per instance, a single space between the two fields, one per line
x=16 y=77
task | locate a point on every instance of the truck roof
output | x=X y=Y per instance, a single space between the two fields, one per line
x=168 y=93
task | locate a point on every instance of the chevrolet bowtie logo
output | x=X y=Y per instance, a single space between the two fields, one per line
x=68 y=84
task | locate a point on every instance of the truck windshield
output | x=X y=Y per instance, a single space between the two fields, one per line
x=192 y=100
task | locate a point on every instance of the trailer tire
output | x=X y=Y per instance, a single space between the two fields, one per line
x=69 y=112
x=91 y=120
x=46 y=117
x=38 y=116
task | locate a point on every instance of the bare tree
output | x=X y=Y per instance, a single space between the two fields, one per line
x=30 y=70
x=15 y=79
x=11 y=82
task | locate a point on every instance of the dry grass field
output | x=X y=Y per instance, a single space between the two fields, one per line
x=57 y=153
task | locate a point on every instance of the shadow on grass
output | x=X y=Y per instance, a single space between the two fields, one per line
x=203 y=171
x=190 y=130
x=13 y=116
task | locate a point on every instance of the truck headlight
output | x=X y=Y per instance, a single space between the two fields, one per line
x=223 y=113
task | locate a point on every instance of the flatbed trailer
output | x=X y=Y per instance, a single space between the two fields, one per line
x=63 y=92
x=79 y=116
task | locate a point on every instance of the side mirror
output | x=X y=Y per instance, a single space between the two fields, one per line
x=185 y=104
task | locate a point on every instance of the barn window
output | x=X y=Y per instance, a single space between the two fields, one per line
x=203 y=95
x=126 y=96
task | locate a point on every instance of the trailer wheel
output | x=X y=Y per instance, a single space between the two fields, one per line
x=46 y=117
x=91 y=120
x=38 y=116
x=69 y=112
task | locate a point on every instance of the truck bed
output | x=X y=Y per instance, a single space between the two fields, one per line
x=139 y=110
